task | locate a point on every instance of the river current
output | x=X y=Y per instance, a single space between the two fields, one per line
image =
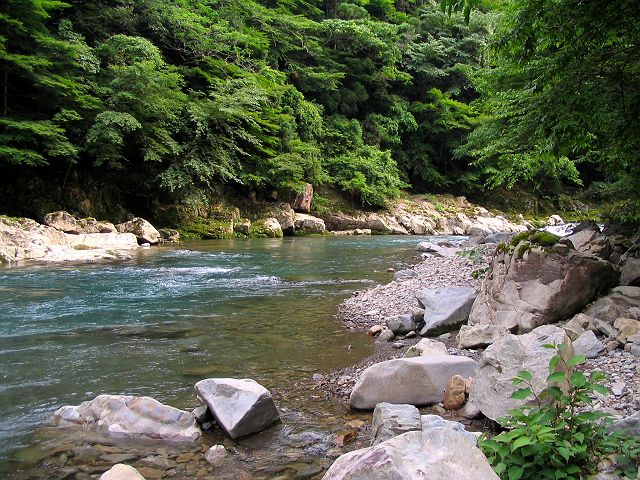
x=155 y=325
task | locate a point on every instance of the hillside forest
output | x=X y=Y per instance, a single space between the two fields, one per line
x=176 y=101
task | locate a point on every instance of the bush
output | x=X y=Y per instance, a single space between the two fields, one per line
x=555 y=436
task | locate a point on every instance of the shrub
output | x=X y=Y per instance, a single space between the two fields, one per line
x=555 y=436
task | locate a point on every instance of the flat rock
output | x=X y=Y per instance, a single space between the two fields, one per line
x=492 y=385
x=127 y=416
x=435 y=454
x=445 y=308
x=477 y=336
x=415 y=381
x=240 y=407
x=390 y=420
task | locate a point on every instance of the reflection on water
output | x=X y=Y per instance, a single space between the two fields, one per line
x=256 y=308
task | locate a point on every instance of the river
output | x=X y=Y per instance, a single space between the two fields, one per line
x=154 y=325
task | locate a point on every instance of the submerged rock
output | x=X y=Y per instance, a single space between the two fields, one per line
x=434 y=454
x=415 y=381
x=240 y=407
x=127 y=416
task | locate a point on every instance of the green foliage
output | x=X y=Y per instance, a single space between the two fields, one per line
x=556 y=435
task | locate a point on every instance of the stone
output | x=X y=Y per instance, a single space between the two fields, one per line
x=480 y=336
x=386 y=335
x=588 y=345
x=402 y=275
x=416 y=381
x=435 y=454
x=63 y=221
x=431 y=422
x=445 y=308
x=306 y=224
x=401 y=324
x=528 y=286
x=454 y=393
x=216 y=455
x=375 y=330
x=426 y=346
x=121 y=471
x=303 y=200
x=142 y=229
x=240 y=407
x=390 y=420
x=626 y=328
x=579 y=324
x=243 y=227
x=131 y=417
x=492 y=386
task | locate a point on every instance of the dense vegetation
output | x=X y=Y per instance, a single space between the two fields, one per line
x=169 y=100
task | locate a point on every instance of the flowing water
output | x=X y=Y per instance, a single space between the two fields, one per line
x=155 y=325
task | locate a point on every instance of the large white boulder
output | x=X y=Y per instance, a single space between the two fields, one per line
x=529 y=285
x=120 y=471
x=446 y=307
x=127 y=416
x=142 y=229
x=416 y=381
x=492 y=386
x=240 y=407
x=433 y=454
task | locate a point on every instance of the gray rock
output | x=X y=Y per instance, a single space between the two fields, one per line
x=121 y=471
x=476 y=336
x=390 y=420
x=240 y=407
x=416 y=381
x=126 y=416
x=491 y=388
x=143 y=230
x=401 y=275
x=426 y=346
x=445 y=308
x=529 y=286
x=401 y=324
x=500 y=237
x=436 y=454
x=588 y=345
x=430 y=422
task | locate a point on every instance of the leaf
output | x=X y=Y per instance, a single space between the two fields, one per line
x=522 y=394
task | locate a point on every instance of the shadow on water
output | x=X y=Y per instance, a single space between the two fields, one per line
x=155 y=325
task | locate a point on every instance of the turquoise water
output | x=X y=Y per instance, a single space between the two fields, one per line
x=155 y=325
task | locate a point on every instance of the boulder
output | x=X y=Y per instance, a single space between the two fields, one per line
x=131 y=417
x=63 y=221
x=455 y=393
x=588 y=345
x=491 y=388
x=626 y=327
x=120 y=471
x=416 y=381
x=530 y=285
x=433 y=422
x=143 y=230
x=391 y=420
x=307 y=224
x=303 y=200
x=445 y=308
x=401 y=324
x=480 y=336
x=425 y=347
x=435 y=454
x=621 y=302
x=240 y=407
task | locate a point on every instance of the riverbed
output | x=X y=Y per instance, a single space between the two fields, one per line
x=155 y=325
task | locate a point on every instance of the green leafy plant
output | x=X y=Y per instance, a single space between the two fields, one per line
x=554 y=436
